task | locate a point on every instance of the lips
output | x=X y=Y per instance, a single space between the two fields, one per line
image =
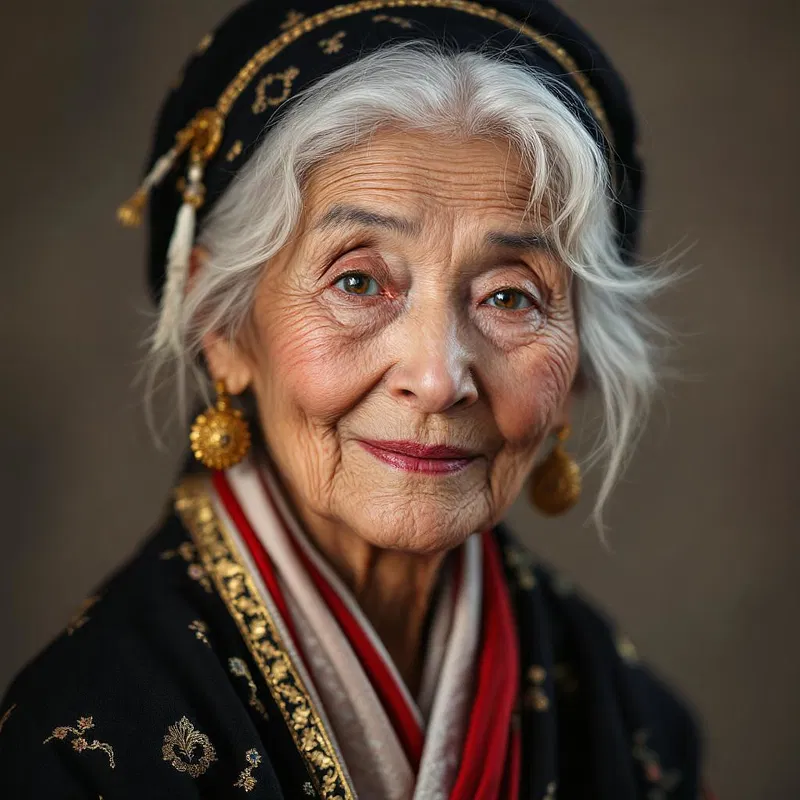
x=415 y=457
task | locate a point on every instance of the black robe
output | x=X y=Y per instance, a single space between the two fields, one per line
x=171 y=681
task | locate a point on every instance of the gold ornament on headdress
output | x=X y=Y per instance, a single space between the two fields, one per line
x=202 y=136
x=556 y=482
x=220 y=436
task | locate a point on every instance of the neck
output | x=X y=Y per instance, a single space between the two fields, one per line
x=393 y=589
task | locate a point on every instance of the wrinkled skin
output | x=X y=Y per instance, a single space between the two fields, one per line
x=440 y=335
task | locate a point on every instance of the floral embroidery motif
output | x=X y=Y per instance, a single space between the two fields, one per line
x=200 y=630
x=181 y=743
x=5 y=716
x=79 y=742
x=264 y=101
x=292 y=18
x=241 y=670
x=246 y=780
x=521 y=562
x=662 y=781
x=535 y=697
x=195 y=570
x=236 y=588
x=79 y=618
x=332 y=45
x=235 y=151
x=308 y=789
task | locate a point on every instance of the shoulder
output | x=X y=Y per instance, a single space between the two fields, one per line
x=598 y=679
x=91 y=714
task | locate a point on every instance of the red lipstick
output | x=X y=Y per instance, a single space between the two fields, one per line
x=415 y=457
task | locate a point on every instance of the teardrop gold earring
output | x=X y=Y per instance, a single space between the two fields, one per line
x=220 y=436
x=556 y=483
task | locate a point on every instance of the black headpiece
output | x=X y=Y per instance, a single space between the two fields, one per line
x=262 y=54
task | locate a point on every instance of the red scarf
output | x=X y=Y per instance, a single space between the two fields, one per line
x=490 y=761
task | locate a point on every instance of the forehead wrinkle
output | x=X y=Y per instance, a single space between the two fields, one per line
x=420 y=184
x=424 y=164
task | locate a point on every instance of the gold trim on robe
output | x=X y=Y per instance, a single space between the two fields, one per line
x=235 y=586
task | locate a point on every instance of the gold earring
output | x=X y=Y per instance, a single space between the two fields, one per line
x=556 y=482
x=220 y=437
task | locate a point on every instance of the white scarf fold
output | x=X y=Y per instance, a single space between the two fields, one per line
x=361 y=731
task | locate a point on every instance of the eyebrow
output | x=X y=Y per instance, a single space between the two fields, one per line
x=344 y=215
x=340 y=215
x=519 y=241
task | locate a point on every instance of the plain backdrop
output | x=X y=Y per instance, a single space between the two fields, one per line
x=701 y=568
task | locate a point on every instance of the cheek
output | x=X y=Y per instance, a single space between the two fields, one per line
x=306 y=363
x=529 y=390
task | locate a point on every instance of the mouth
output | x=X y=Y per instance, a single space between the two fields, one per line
x=415 y=457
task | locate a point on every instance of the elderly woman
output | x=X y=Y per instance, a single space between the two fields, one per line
x=403 y=233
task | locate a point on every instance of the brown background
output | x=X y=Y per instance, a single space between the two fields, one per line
x=702 y=570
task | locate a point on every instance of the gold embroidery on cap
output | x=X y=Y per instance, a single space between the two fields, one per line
x=240 y=669
x=182 y=742
x=401 y=21
x=292 y=18
x=293 y=29
x=246 y=780
x=332 y=45
x=79 y=618
x=5 y=716
x=195 y=569
x=235 y=151
x=200 y=630
x=263 y=101
x=535 y=697
x=130 y=212
x=79 y=742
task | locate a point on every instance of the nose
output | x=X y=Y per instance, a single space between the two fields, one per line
x=434 y=371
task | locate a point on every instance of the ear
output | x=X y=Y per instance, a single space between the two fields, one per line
x=227 y=362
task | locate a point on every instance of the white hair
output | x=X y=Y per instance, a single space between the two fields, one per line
x=420 y=86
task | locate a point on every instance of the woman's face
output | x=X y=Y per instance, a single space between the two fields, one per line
x=416 y=308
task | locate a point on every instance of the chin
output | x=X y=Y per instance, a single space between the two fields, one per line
x=428 y=528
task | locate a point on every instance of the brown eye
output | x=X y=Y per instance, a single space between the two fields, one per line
x=509 y=300
x=358 y=283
